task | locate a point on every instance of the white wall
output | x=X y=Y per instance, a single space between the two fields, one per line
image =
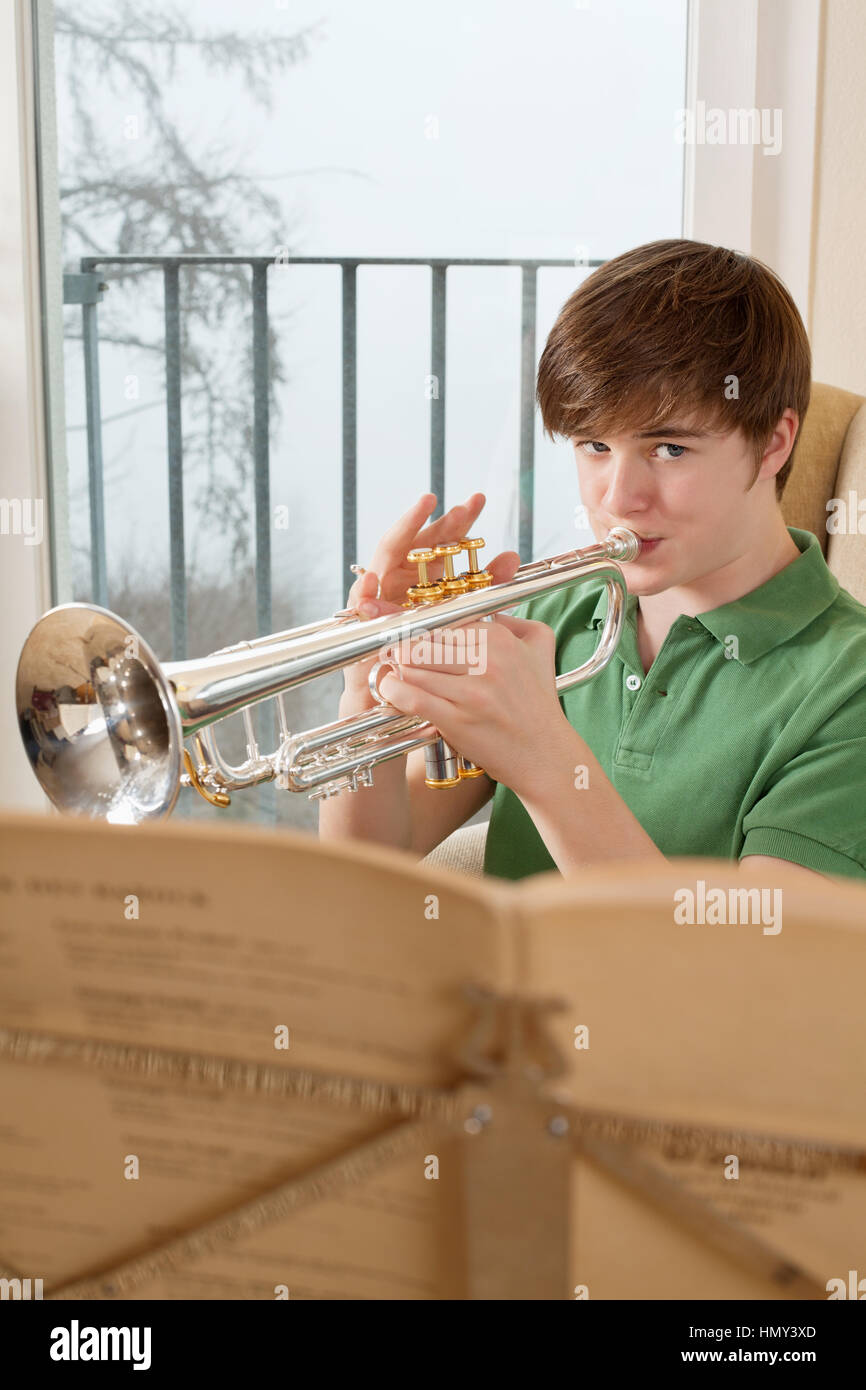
x=803 y=212
x=761 y=54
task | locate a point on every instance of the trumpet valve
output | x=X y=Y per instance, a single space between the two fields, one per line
x=426 y=590
x=466 y=768
x=451 y=584
x=474 y=578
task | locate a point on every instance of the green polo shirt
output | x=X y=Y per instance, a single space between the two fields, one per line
x=723 y=748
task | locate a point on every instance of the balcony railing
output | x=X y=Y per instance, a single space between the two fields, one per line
x=85 y=289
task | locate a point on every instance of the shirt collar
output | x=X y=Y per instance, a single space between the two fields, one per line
x=769 y=615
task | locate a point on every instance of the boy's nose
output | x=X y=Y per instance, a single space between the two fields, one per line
x=627 y=490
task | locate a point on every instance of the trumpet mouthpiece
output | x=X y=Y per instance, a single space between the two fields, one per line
x=625 y=545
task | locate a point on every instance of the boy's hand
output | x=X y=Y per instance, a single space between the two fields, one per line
x=497 y=705
x=383 y=588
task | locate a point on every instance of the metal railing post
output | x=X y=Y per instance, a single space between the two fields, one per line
x=261 y=447
x=96 y=486
x=175 y=461
x=437 y=396
x=350 y=422
x=526 y=499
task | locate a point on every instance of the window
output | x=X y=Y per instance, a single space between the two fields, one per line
x=249 y=397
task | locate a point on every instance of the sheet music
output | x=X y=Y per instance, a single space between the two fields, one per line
x=225 y=948
x=712 y=1028
x=216 y=1052
x=229 y=947
x=68 y=1208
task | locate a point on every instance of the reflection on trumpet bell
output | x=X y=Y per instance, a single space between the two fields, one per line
x=104 y=722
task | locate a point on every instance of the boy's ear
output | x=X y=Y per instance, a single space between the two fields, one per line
x=780 y=444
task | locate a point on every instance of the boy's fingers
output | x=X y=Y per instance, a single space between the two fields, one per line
x=375 y=608
x=401 y=536
x=454 y=523
x=367 y=600
x=365 y=586
x=504 y=566
x=521 y=627
x=408 y=533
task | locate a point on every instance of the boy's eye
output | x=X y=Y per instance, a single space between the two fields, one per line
x=595 y=447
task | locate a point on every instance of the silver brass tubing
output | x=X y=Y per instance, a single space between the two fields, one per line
x=303 y=773
x=209 y=688
x=104 y=722
x=346 y=615
x=235 y=777
x=299 y=769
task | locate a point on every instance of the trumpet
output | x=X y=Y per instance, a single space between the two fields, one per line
x=104 y=723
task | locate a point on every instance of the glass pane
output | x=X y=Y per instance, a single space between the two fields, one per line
x=280 y=141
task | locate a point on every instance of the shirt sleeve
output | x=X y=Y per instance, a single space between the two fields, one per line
x=813 y=812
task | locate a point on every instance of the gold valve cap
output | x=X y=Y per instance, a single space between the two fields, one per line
x=426 y=590
x=474 y=578
x=424 y=593
x=450 y=582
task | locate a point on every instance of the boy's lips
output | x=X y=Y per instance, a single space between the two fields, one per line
x=647 y=542
x=626 y=525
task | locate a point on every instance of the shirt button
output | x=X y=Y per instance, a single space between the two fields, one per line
x=633 y=682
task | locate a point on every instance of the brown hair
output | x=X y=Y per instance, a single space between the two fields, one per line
x=660 y=331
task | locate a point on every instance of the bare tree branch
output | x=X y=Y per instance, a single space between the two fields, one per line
x=175 y=199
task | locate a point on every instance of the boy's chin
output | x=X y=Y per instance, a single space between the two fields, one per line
x=644 y=588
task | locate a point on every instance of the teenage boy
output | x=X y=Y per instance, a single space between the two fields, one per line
x=731 y=721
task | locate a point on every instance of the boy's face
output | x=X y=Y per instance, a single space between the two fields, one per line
x=683 y=484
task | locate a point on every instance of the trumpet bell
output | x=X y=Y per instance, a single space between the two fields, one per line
x=98 y=718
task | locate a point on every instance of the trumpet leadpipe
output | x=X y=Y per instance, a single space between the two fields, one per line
x=218 y=685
